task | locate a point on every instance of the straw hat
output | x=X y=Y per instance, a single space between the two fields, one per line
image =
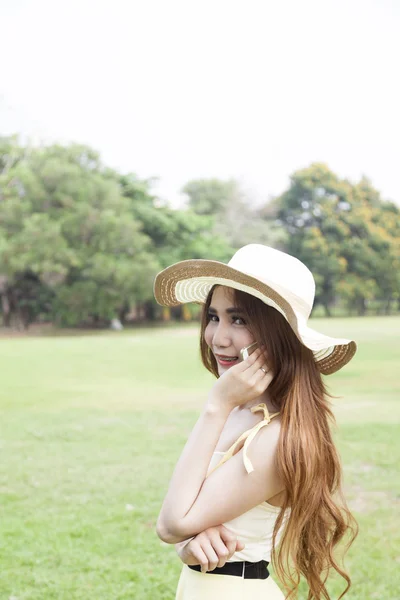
x=276 y=278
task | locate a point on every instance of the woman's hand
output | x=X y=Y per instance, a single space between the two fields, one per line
x=243 y=382
x=210 y=548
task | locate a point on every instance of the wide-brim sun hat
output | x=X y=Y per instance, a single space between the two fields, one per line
x=275 y=277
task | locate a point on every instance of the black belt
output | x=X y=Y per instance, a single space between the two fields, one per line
x=252 y=570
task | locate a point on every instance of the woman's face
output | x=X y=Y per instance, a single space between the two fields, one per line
x=226 y=333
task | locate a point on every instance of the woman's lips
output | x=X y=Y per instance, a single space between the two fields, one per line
x=226 y=363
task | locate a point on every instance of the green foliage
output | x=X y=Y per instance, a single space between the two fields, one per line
x=346 y=235
x=233 y=217
x=182 y=234
x=212 y=196
x=90 y=238
x=66 y=222
x=82 y=243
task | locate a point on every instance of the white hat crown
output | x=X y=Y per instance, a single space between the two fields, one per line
x=285 y=273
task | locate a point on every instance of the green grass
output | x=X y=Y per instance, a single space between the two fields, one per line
x=92 y=426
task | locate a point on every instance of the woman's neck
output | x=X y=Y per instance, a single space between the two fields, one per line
x=264 y=398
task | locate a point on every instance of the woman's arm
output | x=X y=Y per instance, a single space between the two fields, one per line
x=191 y=468
x=232 y=490
x=242 y=383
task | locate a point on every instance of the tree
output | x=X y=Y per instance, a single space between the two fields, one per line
x=176 y=234
x=339 y=230
x=234 y=217
x=82 y=243
x=66 y=225
x=212 y=196
x=85 y=240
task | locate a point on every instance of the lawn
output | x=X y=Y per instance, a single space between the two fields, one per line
x=91 y=428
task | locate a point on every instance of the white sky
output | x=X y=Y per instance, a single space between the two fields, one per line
x=251 y=89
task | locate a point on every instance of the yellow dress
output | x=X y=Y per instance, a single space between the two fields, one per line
x=254 y=528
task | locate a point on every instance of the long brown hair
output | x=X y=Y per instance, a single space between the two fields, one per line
x=307 y=458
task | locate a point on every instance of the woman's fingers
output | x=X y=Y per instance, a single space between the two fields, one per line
x=260 y=375
x=230 y=540
x=221 y=547
x=223 y=542
x=245 y=364
x=254 y=360
x=226 y=535
x=214 y=547
x=232 y=547
x=200 y=556
x=224 y=551
x=211 y=554
x=256 y=365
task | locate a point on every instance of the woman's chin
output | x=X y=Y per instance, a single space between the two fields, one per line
x=222 y=369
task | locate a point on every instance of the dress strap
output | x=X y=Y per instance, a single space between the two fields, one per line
x=248 y=436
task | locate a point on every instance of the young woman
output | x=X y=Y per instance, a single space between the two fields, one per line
x=260 y=467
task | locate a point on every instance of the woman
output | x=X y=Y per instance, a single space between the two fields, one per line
x=260 y=466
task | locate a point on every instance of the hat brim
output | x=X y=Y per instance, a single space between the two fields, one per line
x=191 y=281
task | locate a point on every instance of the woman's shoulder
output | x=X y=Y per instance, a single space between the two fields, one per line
x=269 y=433
x=241 y=423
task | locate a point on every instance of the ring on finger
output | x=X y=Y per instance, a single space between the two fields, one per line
x=264 y=370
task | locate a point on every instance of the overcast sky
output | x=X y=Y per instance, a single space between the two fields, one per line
x=251 y=89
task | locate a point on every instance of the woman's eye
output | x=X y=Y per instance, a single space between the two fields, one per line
x=239 y=319
x=236 y=320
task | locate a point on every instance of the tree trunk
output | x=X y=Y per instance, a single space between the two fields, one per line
x=17 y=321
x=176 y=312
x=149 y=310
x=123 y=311
x=361 y=307
x=327 y=309
x=166 y=313
x=388 y=305
x=140 y=314
x=6 y=310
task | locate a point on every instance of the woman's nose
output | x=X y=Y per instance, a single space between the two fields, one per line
x=221 y=337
